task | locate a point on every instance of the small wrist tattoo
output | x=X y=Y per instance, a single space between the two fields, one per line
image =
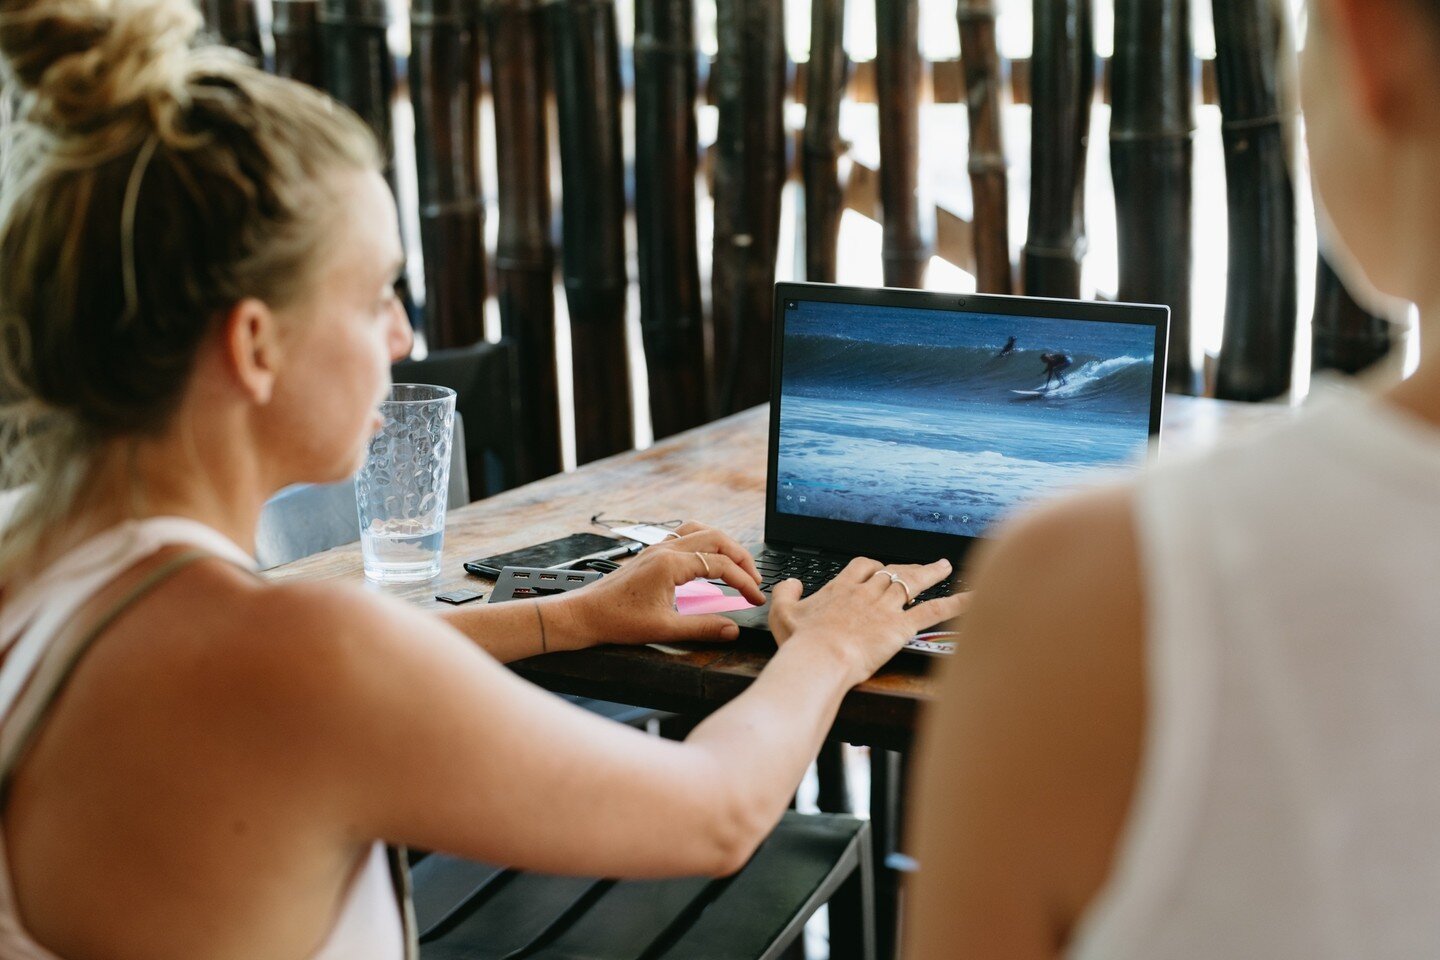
x=544 y=648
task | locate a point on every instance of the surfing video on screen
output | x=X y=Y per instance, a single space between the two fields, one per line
x=944 y=421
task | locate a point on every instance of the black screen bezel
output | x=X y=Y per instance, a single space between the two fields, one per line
x=892 y=543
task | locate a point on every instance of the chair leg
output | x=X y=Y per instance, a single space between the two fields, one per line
x=796 y=950
x=677 y=727
x=830 y=771
x=852 y=913
x=886 y=771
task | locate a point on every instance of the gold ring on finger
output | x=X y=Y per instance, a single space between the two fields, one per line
x=707 y=565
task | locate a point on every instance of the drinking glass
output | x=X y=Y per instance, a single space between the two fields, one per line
x=401 y=489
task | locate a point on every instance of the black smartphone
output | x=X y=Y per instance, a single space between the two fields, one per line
x=554 y=553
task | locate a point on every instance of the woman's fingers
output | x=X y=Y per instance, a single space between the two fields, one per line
x=691 y=526
x=717 y=566
x=922 y=616
x=709 y=627
x=710 y=540
x=785 y=593
x=917 y=578
x=859 y=570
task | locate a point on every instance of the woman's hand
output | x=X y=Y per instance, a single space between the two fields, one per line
x=865 y=609
x=636 y=604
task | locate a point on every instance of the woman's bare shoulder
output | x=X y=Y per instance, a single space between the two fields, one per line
x=1055 y=546
x=246 y=621
x=1030 y=756
x=258 y=669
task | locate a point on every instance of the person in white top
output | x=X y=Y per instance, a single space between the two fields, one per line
x=197 y=309
x=1200 y=716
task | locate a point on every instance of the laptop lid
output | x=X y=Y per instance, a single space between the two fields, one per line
x=904 y=424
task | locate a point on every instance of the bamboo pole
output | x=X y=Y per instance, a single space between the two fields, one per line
x=749 y=83
x=824 y=89
x=445 y=92
x=1064 y=85
x=524 y=254
x=1152 y=127
x=358 y=68
x=1345 y=336
x=823 y=203
x=296 y=31
x=1253 y=54
x=236 y=23
x=984 y=101
x=672 y=323
x=359 y=71
x=897 y=78
x=586 y=56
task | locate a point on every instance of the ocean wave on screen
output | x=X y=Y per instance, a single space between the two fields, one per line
x=892 y=483
x=1117 y=375
x=840 y=366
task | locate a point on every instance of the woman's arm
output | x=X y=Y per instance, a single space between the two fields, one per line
x=396 y=726
x=1028 y=758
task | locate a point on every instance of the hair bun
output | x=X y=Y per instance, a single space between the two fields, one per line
x=83 y=60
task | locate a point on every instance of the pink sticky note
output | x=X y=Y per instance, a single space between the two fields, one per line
x=721 y=604
x=702 y=596
x=698 y=588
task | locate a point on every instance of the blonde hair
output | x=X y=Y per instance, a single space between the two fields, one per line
x=147 y=184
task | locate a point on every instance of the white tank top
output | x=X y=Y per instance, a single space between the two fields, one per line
x=1288 y=804
x=369 y=924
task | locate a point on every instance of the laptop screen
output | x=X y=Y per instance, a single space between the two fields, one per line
x=945 y=421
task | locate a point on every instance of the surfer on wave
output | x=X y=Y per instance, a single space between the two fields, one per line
x=1055 y=366
x=1006 y=350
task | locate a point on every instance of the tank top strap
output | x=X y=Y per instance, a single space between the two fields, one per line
x=59 y=659
x=399 y=859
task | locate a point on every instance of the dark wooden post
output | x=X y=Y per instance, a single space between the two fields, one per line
x=586 y=52
x=358 y=68
x=1345 y=336
x=1252 y=43
x=666 y=152
x=984 y=101
x=1063 y=84
x=1152 y=127
x=749 y=80
x=359 y=71
x=524 y=255
x=897 y=79
x=825 y=79
x=445 y=91
x=236 y=23
x=824 y=89
x=296 y=30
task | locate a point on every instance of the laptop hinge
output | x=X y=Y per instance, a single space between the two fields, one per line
x=815 y=550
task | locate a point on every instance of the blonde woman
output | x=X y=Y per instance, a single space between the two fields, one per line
x=1230 y=747
x=196 y=309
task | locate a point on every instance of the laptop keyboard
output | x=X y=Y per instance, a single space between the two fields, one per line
x=814 y=571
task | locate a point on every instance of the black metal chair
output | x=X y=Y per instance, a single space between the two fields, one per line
x=483 y=376
x=470 y=911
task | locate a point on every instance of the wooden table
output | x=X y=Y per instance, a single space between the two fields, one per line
x=716 y=474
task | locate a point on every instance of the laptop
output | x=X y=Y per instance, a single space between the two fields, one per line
x=905 y=424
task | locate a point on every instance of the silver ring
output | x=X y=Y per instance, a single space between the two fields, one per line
x=903 y=585
x=707 y=566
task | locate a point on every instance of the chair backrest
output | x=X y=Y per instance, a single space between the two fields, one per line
x=310 y=517
x=483 y=378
